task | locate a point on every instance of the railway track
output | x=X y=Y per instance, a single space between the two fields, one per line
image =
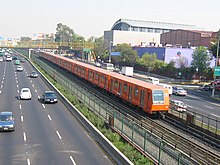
x=188 y=144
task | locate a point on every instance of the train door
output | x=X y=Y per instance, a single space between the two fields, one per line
x=130 y=93
x=111 y=85
x=105 y=83
x=142 y=98
x=120 y=88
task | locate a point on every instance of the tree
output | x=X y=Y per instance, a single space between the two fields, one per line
x=64 y=33
x=100 y=46
x=201 y=60
x=25 y=39
x=148 y=61
x=214 y=44
x=127 y=55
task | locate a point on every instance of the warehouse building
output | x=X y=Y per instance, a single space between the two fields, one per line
x=187 y=38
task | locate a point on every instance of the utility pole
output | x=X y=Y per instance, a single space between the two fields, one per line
x=216 y=63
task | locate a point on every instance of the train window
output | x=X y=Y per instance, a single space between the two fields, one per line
x=116 y=83
x=75 y=68
x=83 y=71
x=90 y=74
x=103 y=78
x=136 y=91
x=158 y=96
x=125 y=87
x=97 y=76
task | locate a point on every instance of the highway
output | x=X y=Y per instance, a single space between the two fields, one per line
x=200 y=101
x=45 y=134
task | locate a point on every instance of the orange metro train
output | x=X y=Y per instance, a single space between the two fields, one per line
x=148 y=97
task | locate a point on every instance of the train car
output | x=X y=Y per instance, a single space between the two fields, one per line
x=150 y=98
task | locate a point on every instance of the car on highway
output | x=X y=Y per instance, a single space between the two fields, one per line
x=22 y=60
x=49 y=97
x=25 y=94
x=179 y=91
x=205 y=87
x=34 y=74
x=20 y=68
x=17 y=62
x=8 y=58
x=7 y=122
x=15 y=58
x=178 y=106
x=1 y=59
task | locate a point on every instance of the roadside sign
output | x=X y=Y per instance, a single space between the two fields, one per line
x=217 y=71
x=115 y=53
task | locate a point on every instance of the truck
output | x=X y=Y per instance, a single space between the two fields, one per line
x=127 y=70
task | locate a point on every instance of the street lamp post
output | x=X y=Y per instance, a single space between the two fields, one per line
x=216 y=64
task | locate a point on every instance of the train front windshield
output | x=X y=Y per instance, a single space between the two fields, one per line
x=158 y=96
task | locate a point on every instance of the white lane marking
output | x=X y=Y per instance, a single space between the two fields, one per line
x=22 y=118
x=198 y=117
x=31 y=81
x=214 y=104
x=1 y=86
x=24 y=135
x=18 y=91
x=49 y=117
x=20 y=106
x=189 y=106
x=16 y=81
x=43 y=105
x=28 y=162
x=3 y=78
x=17 y=86
x=194 y=97
x=0 y=91
x=215 y=115
x=58 y=134
x=2 y=82
x=35 y=90
x=71 y=158
x=208 y=107
x=38 y=97
x=16 y=78
x=32 y=85
x=186 y=99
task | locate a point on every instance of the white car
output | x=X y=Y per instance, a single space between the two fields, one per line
x=1 y=58
x=178 y=105
x=9 y=58
x=20 y=68
x=25 y=94
x=179 y=91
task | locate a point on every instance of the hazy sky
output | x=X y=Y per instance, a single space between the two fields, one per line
x=92 y=17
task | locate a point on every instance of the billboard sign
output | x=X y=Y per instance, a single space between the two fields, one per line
x=115 y=53
x=217 y=71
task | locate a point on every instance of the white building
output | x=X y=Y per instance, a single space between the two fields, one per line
x=140 y=33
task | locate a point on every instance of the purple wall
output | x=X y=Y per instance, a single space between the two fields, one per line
x=159 y=51
x=178 y=55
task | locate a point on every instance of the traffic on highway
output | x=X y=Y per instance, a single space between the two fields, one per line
x=41 y=133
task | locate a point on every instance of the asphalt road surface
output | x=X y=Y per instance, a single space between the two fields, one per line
x=45 y=134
